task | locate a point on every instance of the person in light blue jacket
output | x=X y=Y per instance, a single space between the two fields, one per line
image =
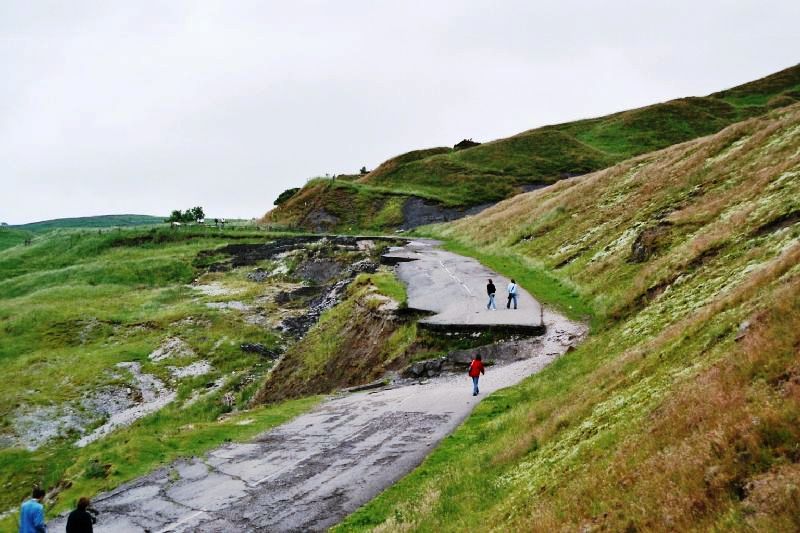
x=512 y=294
x=31 y=516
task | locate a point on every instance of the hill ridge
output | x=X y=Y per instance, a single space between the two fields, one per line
x=500 y=168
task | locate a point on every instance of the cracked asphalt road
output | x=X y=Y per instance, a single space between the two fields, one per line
x=308 y=474
x=453 y=287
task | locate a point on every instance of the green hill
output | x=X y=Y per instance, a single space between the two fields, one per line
x=10 y=237
x=682 y=409
x=502 y=168
x=101 y=221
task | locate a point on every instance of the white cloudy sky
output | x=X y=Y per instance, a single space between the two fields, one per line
x=144 y=107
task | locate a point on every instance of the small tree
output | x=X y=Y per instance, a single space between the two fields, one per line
x=285 y=195
x=175 y=216
x=196 y=213
x=190 y=215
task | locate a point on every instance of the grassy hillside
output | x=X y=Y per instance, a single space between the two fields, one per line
x=74 y=306
x=682 y=409
x=10 y=237
x=101 y=221
x=498 y=169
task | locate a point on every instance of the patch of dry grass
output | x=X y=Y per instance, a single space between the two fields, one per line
x=682 y=411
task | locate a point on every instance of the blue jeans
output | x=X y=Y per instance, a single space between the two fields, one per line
x=491 y=304
x=512 y=297
x=475 y=385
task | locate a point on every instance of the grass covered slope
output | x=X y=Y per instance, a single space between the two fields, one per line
x=682 y=409
x=101 y=221
x=73 y=306
x=496 y=170
x=10 y=237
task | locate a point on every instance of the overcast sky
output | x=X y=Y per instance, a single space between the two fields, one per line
x=144 y=107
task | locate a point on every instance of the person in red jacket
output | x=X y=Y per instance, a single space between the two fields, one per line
x=475 y=370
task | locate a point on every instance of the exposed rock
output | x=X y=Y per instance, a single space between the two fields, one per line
x=198 y=368
x=251 y=254
x=300 y=294
x=258 y=275
x=418 y=212
x=429 y=368
x=319 y=271
x=154 y=395
x=320 y=220
x=365 y=266
x=742 y=331
x=110 y=400
x=298 y=326
x=648 y=242
x=233 y=304
x=34 y=426
x=213 y=289
x=170 y=348
x=257 y=347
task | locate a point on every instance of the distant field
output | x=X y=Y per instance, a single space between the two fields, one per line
x=101 y=221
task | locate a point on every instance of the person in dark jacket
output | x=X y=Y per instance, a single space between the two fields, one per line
x=476 y=368
x=491 y=290
x=80 y=520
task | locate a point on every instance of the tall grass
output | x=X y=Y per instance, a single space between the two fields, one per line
x=681 y=410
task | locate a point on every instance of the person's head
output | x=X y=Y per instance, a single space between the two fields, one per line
x=512 y=280
x=490 y=281
x=477 y=357
x=83 y=503
x=38 y=493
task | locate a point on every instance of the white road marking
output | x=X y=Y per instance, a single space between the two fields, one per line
x=457 y=280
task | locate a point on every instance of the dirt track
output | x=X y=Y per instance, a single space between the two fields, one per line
x=309 y=473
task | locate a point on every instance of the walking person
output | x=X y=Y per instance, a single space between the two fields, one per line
x=512 y=294
x=491 y=290
x=31 y=515
x=79 y=520
x=476 y=368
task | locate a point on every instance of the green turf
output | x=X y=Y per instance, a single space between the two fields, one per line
x=10 y=237
x=101 y=221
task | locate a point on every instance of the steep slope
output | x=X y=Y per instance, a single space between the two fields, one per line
x=682 y=410
x=499 y=169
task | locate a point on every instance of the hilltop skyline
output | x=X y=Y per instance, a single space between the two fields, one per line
x=149 y=108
